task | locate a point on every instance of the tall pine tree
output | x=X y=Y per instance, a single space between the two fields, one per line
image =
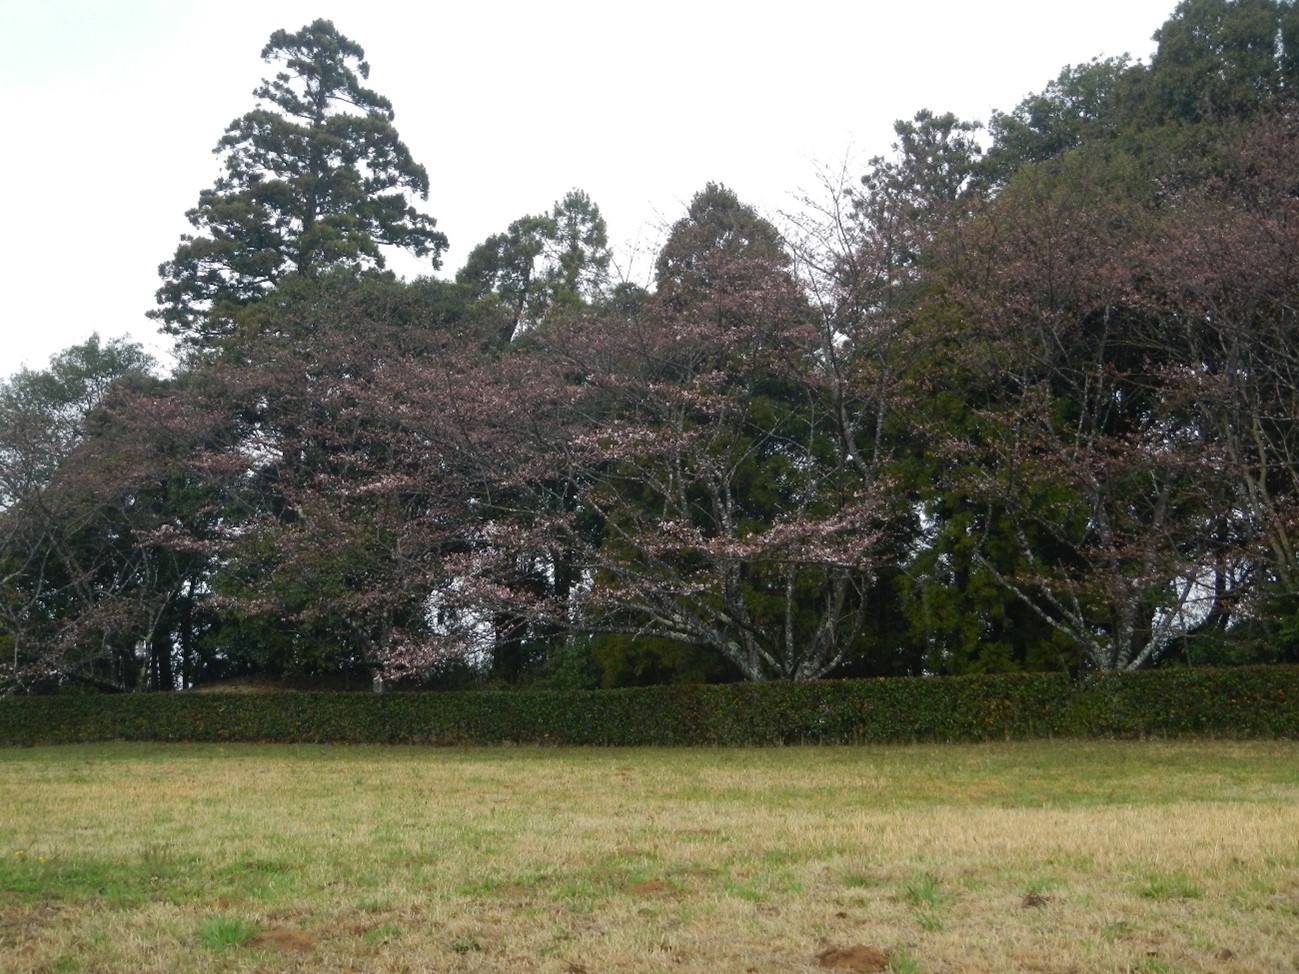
x=316 y=177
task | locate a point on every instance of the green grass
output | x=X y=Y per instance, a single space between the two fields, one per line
x=222 y=932
x=924 y=894
x=1171 y=886
x=1155 y=856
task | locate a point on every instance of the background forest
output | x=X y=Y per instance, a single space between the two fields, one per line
x=1022 y=396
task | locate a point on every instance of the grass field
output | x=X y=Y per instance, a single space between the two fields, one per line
x=1037 y=857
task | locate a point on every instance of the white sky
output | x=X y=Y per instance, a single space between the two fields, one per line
x=111 y=108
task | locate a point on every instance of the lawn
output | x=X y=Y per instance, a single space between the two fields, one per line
x=1043 y=857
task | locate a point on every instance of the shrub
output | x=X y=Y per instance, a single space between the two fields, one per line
x=1243 y=702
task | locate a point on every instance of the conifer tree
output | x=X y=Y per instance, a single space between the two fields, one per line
x=315 y=178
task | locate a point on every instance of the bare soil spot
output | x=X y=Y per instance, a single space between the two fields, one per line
x=282 y=939
x=856 y=958
x=654 y=887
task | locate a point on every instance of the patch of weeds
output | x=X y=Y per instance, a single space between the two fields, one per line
x=380 y=935
x=1042 y=885
x=1155 y=965
x=1170 y=886
x=923 y=891
x=253 y=878
x=926 y=897
x=743 y=891
x=901 y=962
x=929 y=922
x=465 y=946
x=480 y=888
x=124 y=884
x=222 y=932
x=582 y=894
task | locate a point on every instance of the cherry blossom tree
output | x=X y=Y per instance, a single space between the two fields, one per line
x=704 y=495
x=1087 y=443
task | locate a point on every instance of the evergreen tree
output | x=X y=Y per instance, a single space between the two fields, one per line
x=315 y=178
x=557 y=260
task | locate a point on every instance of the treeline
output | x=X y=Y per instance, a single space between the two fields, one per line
x=1026 y=402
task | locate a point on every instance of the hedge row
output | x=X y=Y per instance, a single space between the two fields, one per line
x=1244 y=702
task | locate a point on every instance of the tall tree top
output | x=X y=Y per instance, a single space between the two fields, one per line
x=1222 y=57
x=718 y=235
x=316 y=177
x=317 y=56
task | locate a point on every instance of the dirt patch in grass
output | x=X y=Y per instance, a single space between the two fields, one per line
x=280 y=938
x=653 y=887
x=855 y=958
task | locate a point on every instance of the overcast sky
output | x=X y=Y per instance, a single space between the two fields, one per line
x=111 y=109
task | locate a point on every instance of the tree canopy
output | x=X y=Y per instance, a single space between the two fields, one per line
x=315 y=177
x=1032 y=407
x=558 y=261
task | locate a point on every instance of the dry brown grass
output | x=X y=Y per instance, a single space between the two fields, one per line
x=1042 y=857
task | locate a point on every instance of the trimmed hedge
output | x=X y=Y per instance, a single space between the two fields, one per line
x=1242 y=702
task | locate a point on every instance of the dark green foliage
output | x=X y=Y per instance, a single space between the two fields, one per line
x=1242 y=702
x=722 y=246
x=626 y=660
x=1085 y=102
x=1220 y=58
x=316 y=177
x=541 y=264
x=1217 y=60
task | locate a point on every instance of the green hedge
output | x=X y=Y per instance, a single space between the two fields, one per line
x=1244 y=702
